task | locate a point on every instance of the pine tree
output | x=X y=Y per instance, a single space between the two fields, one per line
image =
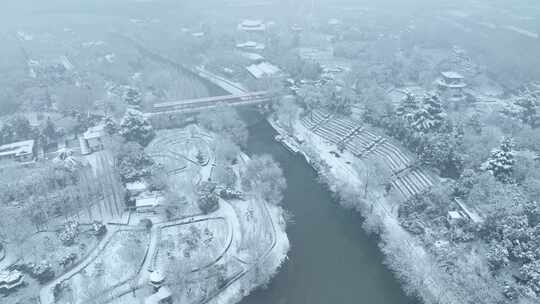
x=501 y=162
x=530 y=113
x=429 y=116
x=111 y=127
x=407 y=107
x=133 y=97
x=134 y=127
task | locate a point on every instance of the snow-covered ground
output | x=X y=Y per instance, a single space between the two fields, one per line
x=400 y=247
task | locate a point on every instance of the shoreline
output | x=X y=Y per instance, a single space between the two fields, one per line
x=411 y=264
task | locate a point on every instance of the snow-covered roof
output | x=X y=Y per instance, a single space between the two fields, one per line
x=17 y=148
x=252 y=25
x=252 y=56
x=161 y=295
x=152 y=199
x=455 y=215
x=263 y=69
x=452 y=75
x=198 y=34
x=251 y=45
x=136 y=186
x=157 y=277
x=334 y=21
x=94 y=132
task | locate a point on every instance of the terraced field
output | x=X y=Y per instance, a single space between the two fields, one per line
x=352 y=136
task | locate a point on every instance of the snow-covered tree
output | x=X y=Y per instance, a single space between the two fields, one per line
x=133 y=97
x=529 y=109
x=135 y=127
x=501 y=162
x=111 y=127
x=429 y=116
x=408 y=106
x=424 y=116
x=531 y=274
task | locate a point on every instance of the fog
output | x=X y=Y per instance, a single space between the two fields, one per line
x=269 y=151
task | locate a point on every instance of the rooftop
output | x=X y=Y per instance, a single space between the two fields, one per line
x=17 y=148
x=263 y=69
x=452 y=75
x=94 y=132
x=148 y=199
x=252 y=56
x=250 y=45
x=252 y=25
x=161 y=295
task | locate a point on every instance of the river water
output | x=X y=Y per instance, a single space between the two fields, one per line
x=332 y=260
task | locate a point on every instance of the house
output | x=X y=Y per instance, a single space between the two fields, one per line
x=456 y=216
x=136 y=188
x=91 y=140
x=251 y=45
x=263 y=69
x=148 y=201
x=21 y=151
x=162 y=296
x=451 y=86
x=252 y=26
x=468 y=212
x=252 y=56
x=156 y=280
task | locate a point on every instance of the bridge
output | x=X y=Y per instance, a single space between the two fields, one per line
x=199 y=104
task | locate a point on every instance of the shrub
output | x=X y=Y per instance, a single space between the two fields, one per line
x=69 y=233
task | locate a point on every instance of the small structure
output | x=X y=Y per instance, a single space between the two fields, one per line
x=136 y=188
x=162 y=296
x=252 y=26
x=148 y=201
x=198 y=34
x=456 y=216
x=263 y=69
x=334 y=22
x=451 y=85
x=21 y=151
x=252 y=56
x=251 y=45
x=9 y=280
x=156 y=280
x=468 y=212
x=91 y=140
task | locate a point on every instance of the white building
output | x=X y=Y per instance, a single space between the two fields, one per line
x=91 y=140
x=251 y=45
x=252 y=26
x=451 y=85
x=263 y=70
x=21 y=151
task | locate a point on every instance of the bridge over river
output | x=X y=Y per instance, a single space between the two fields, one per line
x=199 y=104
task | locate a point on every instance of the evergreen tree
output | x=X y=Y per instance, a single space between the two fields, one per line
x=134 y=127
x=111 y=127
x=501 y=162
x=407 y=107
x=530 y=113
x=430 y=115
x=133 y=97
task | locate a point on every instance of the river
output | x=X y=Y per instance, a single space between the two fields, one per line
x=332 y=260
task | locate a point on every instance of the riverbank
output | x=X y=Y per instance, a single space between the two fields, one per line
x=358 y=184
x=257 y=230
